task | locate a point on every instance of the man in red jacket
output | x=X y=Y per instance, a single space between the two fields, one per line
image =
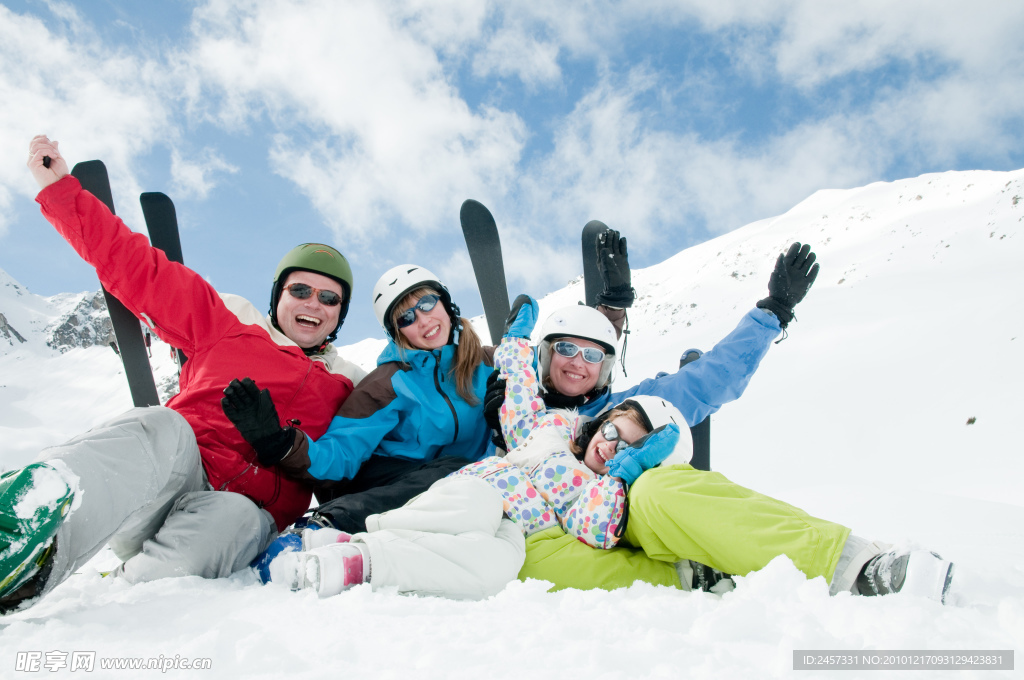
x=175 y=490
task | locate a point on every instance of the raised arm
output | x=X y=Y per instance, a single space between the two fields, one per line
x=723 y=373
x=523 y=410
x=178 y=304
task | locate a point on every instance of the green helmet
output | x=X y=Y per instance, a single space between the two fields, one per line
x=319 y=259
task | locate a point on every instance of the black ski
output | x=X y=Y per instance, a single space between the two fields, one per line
x=162 y=223
x=481 y=234
x=701 y=432
x=130 y=342
x=592 y=284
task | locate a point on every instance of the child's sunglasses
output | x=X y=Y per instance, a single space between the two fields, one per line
x=611 y=433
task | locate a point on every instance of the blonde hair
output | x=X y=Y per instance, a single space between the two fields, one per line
x=578 y=447
x=468 y=353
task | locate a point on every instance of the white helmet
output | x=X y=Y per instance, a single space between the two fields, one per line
x=655 y=412
x=398 y=282
x=582 y=322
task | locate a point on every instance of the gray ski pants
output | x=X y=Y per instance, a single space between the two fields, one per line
x=142 y=489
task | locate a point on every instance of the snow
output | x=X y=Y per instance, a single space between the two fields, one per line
x=48 y=487
x=894 y=407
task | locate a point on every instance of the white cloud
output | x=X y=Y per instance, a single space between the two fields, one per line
x=366 y=119
x=193 y=178
x=610 y=163
x=369 y=127
x=512 y=52
x=99 y=103
x=820 y=41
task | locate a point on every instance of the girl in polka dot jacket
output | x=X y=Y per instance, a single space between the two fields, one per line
x=557 y=469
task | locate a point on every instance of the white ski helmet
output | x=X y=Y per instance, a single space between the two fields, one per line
x=578 y=321
x=398 y=282
x=655 y=412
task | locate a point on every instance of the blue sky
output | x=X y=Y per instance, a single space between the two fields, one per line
x=366 y=124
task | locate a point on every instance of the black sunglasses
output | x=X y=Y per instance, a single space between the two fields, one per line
x=424 y=304
x=567 y=349
x=303 y=291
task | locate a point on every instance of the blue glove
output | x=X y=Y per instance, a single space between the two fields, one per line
x=522 y=318
x=645 y=453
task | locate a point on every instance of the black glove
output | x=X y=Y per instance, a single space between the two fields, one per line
x=252 y=411
x=613 y=263
x=493 y=398
x=790 y=282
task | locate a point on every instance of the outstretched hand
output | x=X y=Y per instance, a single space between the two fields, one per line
x=45 y=172
x=613 y=264
x=252 y=411
x=792 y=277
x=522 y=318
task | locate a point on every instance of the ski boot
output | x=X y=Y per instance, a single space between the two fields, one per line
x=33 y=503
x=301 y=537
x=918 y=572
x=711 y=580
x=328 y=570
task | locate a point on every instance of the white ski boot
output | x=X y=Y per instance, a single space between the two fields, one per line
x=328 y=570
x=918 y=572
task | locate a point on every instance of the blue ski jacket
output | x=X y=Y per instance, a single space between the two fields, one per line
x=406 y=408
x=721 y=374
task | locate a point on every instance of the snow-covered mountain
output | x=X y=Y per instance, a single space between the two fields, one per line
x=893 y=407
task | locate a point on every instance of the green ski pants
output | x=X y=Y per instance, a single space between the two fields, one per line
x=679 y=513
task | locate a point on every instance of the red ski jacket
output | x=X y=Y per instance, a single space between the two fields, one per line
x=186 y=312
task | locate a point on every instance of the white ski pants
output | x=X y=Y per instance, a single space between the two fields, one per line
x=452 y=540
x=141 y=487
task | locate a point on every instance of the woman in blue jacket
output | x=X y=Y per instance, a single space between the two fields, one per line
x=414 y=419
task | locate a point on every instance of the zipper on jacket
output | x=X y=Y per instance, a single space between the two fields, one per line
x=437 y=384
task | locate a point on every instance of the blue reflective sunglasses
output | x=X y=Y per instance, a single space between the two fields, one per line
x=567 y=349
x=424 y=304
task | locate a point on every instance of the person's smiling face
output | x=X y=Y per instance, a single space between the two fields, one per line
x=430 y=330
x=601 y=450
x=308 y=322
x=574 y=376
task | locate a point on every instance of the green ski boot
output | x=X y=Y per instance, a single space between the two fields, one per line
x=33 y=503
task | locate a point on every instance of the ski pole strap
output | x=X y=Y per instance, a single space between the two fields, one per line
x=625 y=341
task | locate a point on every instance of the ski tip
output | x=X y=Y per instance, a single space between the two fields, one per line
x=474 y=209
x=89 y=166
x=156 y=200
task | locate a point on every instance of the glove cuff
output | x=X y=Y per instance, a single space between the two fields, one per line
x=272 y=449
x=780 y=309
x=619 y=296
x=626 y=468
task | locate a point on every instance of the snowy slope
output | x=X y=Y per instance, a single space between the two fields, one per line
x=860 y=416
